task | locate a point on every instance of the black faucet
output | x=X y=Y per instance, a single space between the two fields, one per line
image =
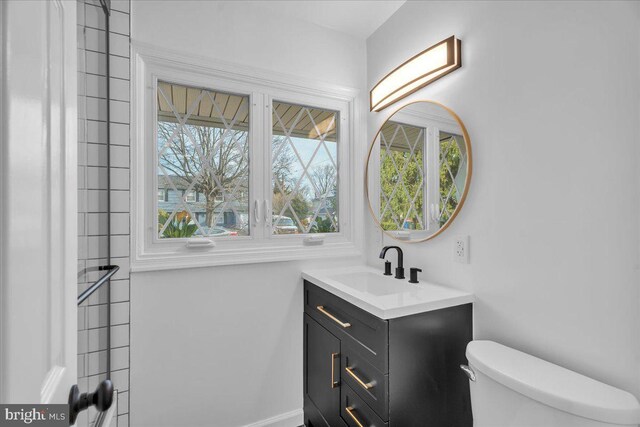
x=400 y=267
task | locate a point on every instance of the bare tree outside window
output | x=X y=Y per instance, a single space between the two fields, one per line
x=203 y=165
x=305 y=171
x=202 y=143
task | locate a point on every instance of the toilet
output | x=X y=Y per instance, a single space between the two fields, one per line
x=510 y=388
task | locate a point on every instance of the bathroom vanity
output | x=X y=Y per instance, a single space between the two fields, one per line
x=384 y=352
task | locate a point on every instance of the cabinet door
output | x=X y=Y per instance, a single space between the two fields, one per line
x=322 y=370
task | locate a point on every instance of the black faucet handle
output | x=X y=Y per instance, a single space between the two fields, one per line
x=413 y=275
x=387 y=268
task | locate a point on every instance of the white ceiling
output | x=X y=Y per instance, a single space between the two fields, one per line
x=359 y=18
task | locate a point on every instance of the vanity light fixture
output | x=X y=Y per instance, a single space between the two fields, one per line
x=417 y=72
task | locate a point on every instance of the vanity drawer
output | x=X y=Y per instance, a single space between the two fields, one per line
x=363 y=378
x=368 y=334
x=356 y=413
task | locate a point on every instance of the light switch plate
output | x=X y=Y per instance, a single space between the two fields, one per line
x=461 y=249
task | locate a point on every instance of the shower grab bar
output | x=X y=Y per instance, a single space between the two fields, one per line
x=111 y=270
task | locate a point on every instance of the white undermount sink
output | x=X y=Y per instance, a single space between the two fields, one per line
x=373 y=283
x=384 y=296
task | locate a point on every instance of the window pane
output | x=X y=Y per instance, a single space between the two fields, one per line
x=402 y=177
x=203 y=162
x=453 y=173
x=305 y=169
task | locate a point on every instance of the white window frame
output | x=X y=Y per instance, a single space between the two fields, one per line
x=152 y=253
x=192 y=193
x=432 y=123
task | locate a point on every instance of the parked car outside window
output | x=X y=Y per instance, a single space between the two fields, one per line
x=284 y=225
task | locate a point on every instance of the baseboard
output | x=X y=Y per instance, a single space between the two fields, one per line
x=288 y=419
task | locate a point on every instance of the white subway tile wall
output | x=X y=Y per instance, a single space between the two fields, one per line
x=93 y=197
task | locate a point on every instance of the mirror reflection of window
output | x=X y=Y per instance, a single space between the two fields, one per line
x=418 y=168
x=402 y=175
x=453 y=173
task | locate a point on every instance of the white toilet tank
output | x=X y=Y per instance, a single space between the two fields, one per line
x=514 y=389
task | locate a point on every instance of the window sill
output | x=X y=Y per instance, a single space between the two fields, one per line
x=215 y=257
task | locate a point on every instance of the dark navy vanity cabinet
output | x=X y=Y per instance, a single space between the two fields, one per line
x=363 y=371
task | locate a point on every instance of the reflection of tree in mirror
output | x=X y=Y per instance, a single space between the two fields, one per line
x=452 y=174
x=401 y=177
x=401 y=207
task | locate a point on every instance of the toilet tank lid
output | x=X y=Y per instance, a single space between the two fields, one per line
x=553 y=385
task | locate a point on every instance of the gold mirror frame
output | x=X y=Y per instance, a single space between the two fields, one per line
x=467 y=182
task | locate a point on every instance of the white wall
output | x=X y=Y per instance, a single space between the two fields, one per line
x=550 y=94
x=245 y=32
x=223 y=346
x=217 y=346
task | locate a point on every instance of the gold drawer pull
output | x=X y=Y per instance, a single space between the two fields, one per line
x=332 y=317
x=364 y=385
x=334 y=383
x=349 y=410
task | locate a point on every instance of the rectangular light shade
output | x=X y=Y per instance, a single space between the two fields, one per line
x=417 y=72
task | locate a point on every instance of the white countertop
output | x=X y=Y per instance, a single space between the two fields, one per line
x=384 y=296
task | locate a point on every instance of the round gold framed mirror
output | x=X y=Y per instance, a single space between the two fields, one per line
x=418 y=171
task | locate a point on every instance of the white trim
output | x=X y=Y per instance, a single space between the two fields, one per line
x=190 y=259
x=288 y=419
x=3 y=329
x=151 y=63
x=410 y=115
